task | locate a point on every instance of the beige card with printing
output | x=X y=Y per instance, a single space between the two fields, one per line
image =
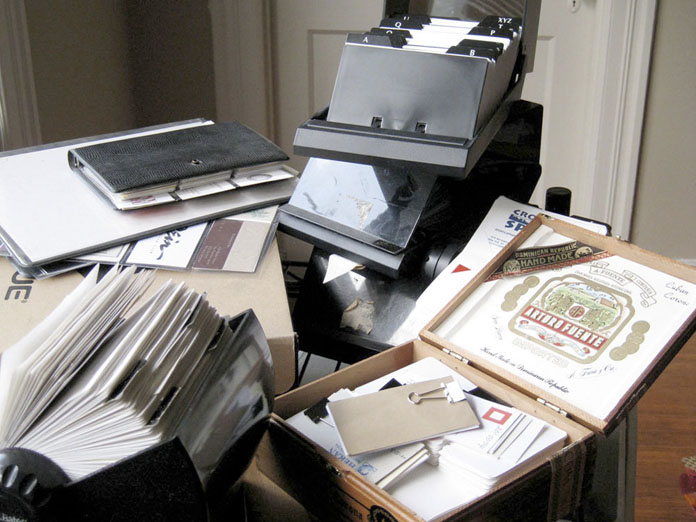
x=388 y=418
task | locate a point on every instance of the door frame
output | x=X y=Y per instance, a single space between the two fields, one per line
x=623 y=59
x=624 y=69
x=243 y=62
x=19 y=116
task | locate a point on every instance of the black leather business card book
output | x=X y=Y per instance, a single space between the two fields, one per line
x=179 y=164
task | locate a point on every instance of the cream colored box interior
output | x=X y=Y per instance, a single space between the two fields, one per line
x=286 y=456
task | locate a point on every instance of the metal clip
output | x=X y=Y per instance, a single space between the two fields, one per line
x=416 y=398
x=453 y=393
x=552 y=406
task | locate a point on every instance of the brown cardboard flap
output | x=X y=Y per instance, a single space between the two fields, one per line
x=600 y=247
x=319 y=481
x=265 y=501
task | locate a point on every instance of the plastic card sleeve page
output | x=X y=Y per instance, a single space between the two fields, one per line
x=572 y=319
x=235 y=244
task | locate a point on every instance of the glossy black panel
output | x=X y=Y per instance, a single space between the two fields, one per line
x=377 y=206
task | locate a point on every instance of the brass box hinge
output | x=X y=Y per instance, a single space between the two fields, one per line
x=455 y=355
x=552 y=406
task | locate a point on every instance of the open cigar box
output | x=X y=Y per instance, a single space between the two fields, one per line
x=565 y=325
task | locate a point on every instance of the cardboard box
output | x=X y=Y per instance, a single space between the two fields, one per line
x=25 y=302
x=265 y=501
x=555 y=486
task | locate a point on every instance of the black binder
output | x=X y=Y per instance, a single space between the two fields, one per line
x=174 y=156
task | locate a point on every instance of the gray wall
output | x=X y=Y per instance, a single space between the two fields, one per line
x=79 y=55
x=109 y=65
x=664 y=213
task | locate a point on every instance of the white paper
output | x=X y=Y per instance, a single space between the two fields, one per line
x=172 y=249
x=141 y=201
x=14 y=356
x=261 y=215
x=337 y=266
x=503 y=222
x=486 y=470
x=498 y=423
x=433 y=490
x=204 y=190
x=246 y=178
x=45 y=361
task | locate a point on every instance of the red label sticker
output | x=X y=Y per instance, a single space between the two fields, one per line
x=497 y=416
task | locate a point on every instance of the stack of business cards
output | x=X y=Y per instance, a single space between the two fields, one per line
x=508 y=442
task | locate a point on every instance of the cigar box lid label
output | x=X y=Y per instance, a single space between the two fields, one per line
x=574 y=321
